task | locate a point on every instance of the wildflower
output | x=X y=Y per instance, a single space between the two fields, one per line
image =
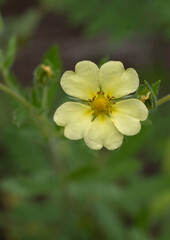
x=103 y=116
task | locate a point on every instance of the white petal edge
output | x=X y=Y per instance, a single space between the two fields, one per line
x=102 y=133
x=84 y=82
x=116 y=81
x=75 y=117
x=125 y=124
x=132 y=107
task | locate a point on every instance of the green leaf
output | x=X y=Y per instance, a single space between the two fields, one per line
x=1 y=24
x=142 y=90
x=155 y=87
x=152 y=96
x=109 y=222
x=53 y=56
x=19 y=117
x=103 y=60
x=11 y=51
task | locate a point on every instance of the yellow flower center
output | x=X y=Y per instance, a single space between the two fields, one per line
x=101 y=104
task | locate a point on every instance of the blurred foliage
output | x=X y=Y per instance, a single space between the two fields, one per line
x=1 y=24
x=23 y=26
x=120 y=18
x=62 y=189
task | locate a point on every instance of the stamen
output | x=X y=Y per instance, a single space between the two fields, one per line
x=109 y=98
x=100 y=104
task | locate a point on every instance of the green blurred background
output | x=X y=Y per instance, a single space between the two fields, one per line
x=74 y=193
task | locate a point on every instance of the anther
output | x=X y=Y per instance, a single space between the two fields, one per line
x=109 y=98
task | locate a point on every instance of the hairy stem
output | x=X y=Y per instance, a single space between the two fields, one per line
x=15 y=95
x=163 y=100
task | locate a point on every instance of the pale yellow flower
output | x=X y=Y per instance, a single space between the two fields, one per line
x=101 y=119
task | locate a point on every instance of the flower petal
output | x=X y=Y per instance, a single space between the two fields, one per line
x=75 y=117
x=132 y=107
x=84 y=82
x=116 y=81
x=102 y=132
x=126 y=124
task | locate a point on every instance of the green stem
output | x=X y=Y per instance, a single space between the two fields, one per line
x=15 y=95
x=45 y=97
x=163 y=100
